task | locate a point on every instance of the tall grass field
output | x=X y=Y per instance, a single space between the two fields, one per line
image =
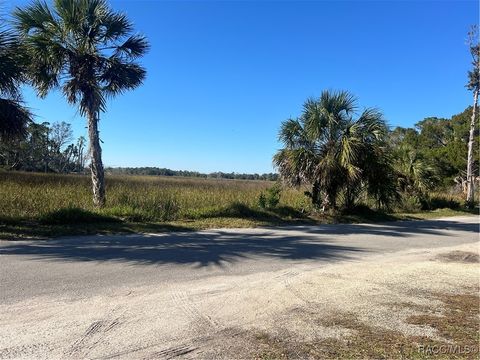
x=35 y=203
x=135 y=198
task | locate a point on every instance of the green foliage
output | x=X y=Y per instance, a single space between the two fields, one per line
x=262 y=201
x=415 y=176
x=410 y=204
x=270 y=198
x=439 y=144
x=57 y=204
x=44 y=148
x=335 y=154
x=88 y=51
x=14 y=116
x=83 y=47
x=441 y=202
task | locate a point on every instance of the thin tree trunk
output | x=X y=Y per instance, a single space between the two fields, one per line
x=315 y=193
x=470 y=175
x=96 y=166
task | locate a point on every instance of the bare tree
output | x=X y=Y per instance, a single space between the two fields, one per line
x=61 y=134
x=473 y=85
x=80 y=158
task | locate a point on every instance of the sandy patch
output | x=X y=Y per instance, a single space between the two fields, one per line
x=215 y=316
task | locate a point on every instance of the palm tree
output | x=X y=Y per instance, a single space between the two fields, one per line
x=87 y=50
x=335 y=154
x=414 y=175
x=14 y=117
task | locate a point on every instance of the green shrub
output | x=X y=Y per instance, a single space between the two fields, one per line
x=410 y=204
x=262 y=201
x=270 y=198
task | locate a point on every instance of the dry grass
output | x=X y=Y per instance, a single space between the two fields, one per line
x=457 y=327
x=35 y=204
x=143 y=198
x=460 y=257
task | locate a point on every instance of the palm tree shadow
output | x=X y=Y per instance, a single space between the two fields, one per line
x=197 y=249
x=394 y=228
x=218 y=247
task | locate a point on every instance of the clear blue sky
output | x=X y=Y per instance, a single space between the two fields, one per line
x=223 y=75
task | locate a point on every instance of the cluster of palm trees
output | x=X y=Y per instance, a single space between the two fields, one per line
x=340 y=153
x=81 y=47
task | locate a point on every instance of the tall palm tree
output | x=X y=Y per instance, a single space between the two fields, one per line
x=14 y=117
x=87 y=50
x=335 y=154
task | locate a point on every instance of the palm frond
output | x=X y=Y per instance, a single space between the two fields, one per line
x=119 y=76
x=134 y=47
x=116 y=25
x=291 y=132
x=36 y=17
x=372 y=124
x=11 y=64
x=14 y=118
x=82 y=46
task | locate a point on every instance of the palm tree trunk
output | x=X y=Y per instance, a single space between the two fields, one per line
x=470 y=176
x=96 y=166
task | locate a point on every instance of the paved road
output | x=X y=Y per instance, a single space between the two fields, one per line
x=79 y=267
x=205 y=294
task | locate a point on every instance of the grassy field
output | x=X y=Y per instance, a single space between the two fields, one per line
x=52 y=204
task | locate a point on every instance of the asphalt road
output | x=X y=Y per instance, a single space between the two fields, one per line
x=79 y=267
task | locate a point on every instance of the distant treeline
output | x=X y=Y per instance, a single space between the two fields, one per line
x=168 y=172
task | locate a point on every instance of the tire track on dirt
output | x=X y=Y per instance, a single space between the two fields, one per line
x=287 y=278
x=171 y=352
x=198 y=320
x=94 y=335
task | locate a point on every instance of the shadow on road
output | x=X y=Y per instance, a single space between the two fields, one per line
x=394 y=228
x=218 y=247
x=201 y=249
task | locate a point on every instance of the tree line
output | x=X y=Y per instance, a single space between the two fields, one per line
x=51 y=148
x=186 y=173
x=435 y=146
